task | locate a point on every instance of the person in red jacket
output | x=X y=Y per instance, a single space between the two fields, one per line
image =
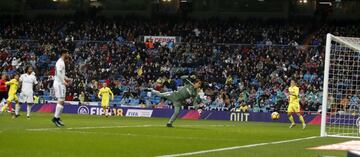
x=3 y=88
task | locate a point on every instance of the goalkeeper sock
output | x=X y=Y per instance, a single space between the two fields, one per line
x=175 y=114
x=301 y=118
x=291 y=118
x=157 y=93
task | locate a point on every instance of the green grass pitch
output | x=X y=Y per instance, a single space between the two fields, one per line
x=95 y=136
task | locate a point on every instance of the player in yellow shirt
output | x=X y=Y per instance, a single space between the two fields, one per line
x=14 y=85
x=294 y=104
x=104 y=95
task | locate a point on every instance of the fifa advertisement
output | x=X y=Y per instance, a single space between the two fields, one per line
x=310 y=118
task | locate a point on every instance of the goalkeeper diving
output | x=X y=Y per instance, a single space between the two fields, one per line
x=190 y=90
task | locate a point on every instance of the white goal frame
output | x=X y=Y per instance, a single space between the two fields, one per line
x=328 y=48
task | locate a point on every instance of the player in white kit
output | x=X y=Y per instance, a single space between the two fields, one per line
x=27 y=80
x=60 y=83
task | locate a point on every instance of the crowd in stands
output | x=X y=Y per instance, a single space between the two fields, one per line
x=243 y=63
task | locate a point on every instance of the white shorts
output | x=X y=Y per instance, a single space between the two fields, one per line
x=60 y=91
x=26 y=98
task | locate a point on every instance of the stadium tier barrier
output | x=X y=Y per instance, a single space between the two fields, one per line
x=310 y=117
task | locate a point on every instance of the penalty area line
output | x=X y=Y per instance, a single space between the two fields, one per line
x=150 y=136
x=95 y=127
x=120 y=126
x=237 y=147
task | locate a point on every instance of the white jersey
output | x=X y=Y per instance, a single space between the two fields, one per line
x=59 y=72
x=27 y=83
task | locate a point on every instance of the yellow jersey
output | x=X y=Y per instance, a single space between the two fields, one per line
x=105 y=93
x=293 y=95
x=14 y=85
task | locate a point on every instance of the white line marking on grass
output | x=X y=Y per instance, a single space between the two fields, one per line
x=211 y=125
x=151 y=136
x=94 y=127
x=121 y=126
x=237 y=147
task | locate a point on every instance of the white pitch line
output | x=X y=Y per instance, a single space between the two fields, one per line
x=95 y=127
x=211 y=125
x=153 y=136
x=236 y=147
x=121 y=126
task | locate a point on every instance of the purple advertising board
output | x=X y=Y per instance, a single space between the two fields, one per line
x=166 y=113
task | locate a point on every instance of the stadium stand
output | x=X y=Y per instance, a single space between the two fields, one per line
x=243 y=62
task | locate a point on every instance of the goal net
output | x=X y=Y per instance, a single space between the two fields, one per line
x=341 y=96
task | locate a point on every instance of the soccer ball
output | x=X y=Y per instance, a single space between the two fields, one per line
x=275 y=116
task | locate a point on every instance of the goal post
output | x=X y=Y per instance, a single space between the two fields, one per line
x=341 y=88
